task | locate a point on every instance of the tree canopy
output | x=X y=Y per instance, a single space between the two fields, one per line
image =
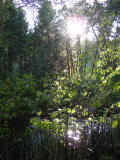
x=68 y=70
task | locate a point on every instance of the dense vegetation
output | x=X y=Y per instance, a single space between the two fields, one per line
x=45 y=72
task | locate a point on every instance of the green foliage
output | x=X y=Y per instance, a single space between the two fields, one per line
x=114 y=123
x=13 y=31
x=17 y=96
x=93 y=81
x=43 y=100
x=73 y=79
x=109 y=90
x=45 y=43
x=54 y=127
x=106 y=158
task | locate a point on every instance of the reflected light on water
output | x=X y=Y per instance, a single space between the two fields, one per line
x=70 y=144
x=70 y=132
x=73 y=135
x=76 y=138
x=78 y=132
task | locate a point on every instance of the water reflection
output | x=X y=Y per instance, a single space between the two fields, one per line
x=81 y=141
x=79 y=131
x=73 y=136
x=76 y=138
x=70 y=133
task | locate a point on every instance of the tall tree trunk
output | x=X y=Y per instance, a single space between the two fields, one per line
x=10 y=62
x=72 y=63
x=20 y=64
x=68 y=57
x=78 y=54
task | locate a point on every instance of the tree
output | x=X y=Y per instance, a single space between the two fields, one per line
x=47 y=47
x=12 y=37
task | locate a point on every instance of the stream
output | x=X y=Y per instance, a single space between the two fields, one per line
x=21 y=141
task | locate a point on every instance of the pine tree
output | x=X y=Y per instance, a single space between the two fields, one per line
x=12 y=37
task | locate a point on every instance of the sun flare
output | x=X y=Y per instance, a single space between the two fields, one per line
x=76 y=25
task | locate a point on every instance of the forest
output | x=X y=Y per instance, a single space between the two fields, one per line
x=60 y=80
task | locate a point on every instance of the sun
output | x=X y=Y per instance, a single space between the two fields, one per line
x=76 y=25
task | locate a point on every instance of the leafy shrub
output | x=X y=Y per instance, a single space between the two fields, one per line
x=17 y=96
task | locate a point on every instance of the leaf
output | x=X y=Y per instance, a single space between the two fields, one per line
x=119 y=104
x=115 y=123
x=73 y=111
x=54 y=114
x=39 y=113
x=90 y=119
x=68 y=110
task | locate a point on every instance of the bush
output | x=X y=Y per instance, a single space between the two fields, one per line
x=17 y=96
